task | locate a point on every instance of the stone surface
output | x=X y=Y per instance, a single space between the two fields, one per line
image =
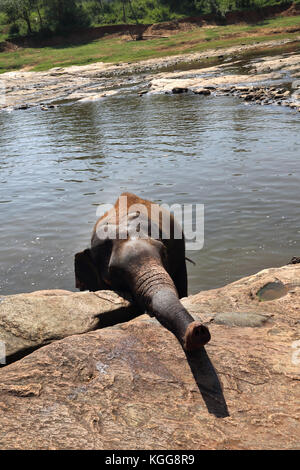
x=28 y=321
x=236 y=319
x=131 y=386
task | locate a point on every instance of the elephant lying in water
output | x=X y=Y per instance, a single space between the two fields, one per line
x=125 y=257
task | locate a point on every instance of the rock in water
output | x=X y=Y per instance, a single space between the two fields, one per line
x=178 y=90
x=202 y=91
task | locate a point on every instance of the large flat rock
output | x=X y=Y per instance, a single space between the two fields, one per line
x=29 y=321
x=253 y=294
x=131 y=386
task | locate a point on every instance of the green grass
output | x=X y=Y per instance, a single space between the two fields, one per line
x=116 y=50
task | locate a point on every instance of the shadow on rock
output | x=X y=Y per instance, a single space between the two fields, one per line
x=121 y=315
x=208 y=382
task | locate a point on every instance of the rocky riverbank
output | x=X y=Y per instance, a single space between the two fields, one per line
x=92 y=386
x=263 y=95
x=261 y=81
x=279 y=74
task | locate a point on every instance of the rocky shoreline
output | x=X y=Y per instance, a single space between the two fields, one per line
x=89 y=369
x=275 y=76
x=263 y=95
x=263 y=81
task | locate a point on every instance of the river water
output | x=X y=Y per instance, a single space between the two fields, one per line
x=56 y=167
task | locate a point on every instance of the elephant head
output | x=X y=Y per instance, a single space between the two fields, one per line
x=152 y=270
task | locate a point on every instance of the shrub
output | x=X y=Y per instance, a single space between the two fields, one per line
x=14 y=30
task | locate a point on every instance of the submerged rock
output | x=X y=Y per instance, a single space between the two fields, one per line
x=178 y=90
x=202 y=91
x=294 y=260
x=23 y=106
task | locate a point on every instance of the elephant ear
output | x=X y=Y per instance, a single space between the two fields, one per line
x=86 y=273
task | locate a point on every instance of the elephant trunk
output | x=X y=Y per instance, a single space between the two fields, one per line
x=155 y=291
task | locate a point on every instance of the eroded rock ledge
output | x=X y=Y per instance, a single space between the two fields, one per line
x=131 y=386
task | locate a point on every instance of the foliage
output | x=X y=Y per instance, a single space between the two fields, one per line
x=52 y=16
x=64 y=15
x=18 y=10
x=117 y=50
x=41 y=15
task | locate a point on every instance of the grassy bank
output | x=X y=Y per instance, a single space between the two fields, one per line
x=117 y=50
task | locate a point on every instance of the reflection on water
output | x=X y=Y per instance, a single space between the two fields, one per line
x=241 y=161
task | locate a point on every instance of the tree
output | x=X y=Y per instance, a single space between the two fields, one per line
x=64 y=15
x=18 y=10
x=38 y=5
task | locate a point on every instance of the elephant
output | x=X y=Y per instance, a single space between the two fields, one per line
x=125 y=257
